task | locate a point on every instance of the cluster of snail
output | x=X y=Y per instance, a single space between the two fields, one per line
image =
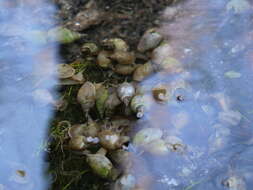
x=109 y=134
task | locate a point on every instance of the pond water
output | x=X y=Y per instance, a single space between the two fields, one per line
x=212 y=119
x=213 y=40
x=26 y=78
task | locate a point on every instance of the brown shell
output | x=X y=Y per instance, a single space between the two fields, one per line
x=123 y=57
x=90 y=48
x=109 y=139
x=160 y=93
x=76 y=130
x=77 y=143
x=115 y=44
x=65 y=71
x=86 y=96
x=143 y=71
x=150 y=40
x=124 y=69
x=103 y=59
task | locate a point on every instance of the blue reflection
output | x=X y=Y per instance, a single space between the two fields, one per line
x=26 y=72
x=214 y=120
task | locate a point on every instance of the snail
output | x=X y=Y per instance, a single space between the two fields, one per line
x=77 y=143
x=150 y=40
x=100 y=164
x=86 y=96
x=146 y=136
x=102 y=95
x=112 y=139
x=138 y=105
x=121 y=157
x=123 y=57
x=169 y=65
x=160 y=53
x=175 y=144
x=62 y=35
x=65 y=71
x=124 y=69
x=125 y=92
x=157 y=147
x=115 y=44
x=103 y=59
x=143 y=71
x=89 y=129
x=160 y=93
x=234 y=182
x=111 y=103
x=90 y=49
x=125 y=182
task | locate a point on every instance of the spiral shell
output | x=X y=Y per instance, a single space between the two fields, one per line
x=160 y=93
x=125 y=92
x=150 y=40
x=138 y=105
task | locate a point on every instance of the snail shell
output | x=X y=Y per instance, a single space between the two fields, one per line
x=63 y=35
x=100 y=165
x=102 y=95
x=234 y=183
x=150 y=40
x=143 y=71
x=77 y=143
x=65 y=71
x=90 y=49
x=137 y=105
x=170 y=65
x=121 y=157
x=103 y=59
x=157 y=147
x=160 y=93
x=89 y=129
x=76 y=130
x=124 y=69
x=125 y=182
x=111 y=140
x=115 y=44
x=161 y=53
x=175 y=144
x=86 y=96
x=125 y=92
x=123 y=57
x=146 y=136
x=111 y=103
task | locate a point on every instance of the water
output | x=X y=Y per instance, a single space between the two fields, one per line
x=213 y=40
x=26 y=84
